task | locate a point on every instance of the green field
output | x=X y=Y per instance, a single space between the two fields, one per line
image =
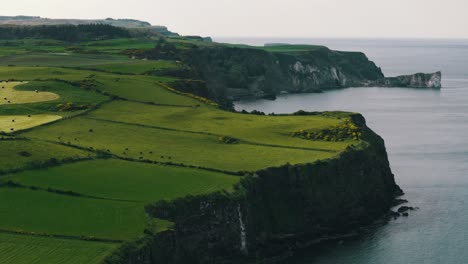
x=124 y=180
x=21 y=249
x=60 y=59
x=25 y=154
x=163 y=145
x=12 y=96
x=12 y=123
x=137 y=66
x=92 y=134
x=44 y=212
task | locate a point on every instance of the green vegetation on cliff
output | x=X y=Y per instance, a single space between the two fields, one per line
x=138 y=122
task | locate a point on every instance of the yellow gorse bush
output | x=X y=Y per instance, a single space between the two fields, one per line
x=344 y=131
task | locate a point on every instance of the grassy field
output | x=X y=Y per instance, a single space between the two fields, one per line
x=13 y=123
x=122 y=138
x=139 y=88
x=20 y=249
x=118 y=179
x=112 y=182
x=19 y=154
x=268 y=130
x=44 y=212
x=172 y=146
x=9 y=95
x=137 y=66
x=60 y=59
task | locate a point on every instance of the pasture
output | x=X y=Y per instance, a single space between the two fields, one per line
x=161 y=145
x=60 y=59
x=13 y=123
x=18 y=154
x=124 y=180
x=9 y=95
x=136 y=66
x=265 y=130
x=21 y=249
x=49 y=213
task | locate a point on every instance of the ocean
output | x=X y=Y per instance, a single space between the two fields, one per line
x=426 y=135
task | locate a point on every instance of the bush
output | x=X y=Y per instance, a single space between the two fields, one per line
x=347 y=130
x=228 y=140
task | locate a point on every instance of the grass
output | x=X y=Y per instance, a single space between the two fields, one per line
x=67 y=92
x=137 y=66
x=20 y=249
x=116 y=46
x=9 y=95
x=41 y=73
x=142 y=89
x=12 y=47
x=61 y=59
x=44 y=212
x=138 y=88
x=171 y=146
x=129 y=115
x=24 y=122
x=110 y=179
x=269 y=130
x=291 y=48
x=21 y=154
x=117 y=179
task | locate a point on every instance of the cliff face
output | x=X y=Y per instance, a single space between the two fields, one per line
x=272 y=210
x=235 y=73
x=418 y=80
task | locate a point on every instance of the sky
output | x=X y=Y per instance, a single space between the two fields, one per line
x=271 y=18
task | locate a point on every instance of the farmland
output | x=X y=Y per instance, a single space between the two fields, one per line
x=41 y=250
x=90 y=135
x=124 y=180
x=12 y=96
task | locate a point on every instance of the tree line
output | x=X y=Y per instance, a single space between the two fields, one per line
x=69 y=33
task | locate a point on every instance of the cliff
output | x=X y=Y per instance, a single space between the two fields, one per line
x=233 y=73
x=418 y=80
x=272 y=211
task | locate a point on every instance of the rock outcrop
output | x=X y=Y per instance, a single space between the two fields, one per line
x=418 y=80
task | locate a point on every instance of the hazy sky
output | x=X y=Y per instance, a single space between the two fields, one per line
x=270 y=18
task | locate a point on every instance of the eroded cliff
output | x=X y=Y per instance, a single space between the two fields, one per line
x=233 y=73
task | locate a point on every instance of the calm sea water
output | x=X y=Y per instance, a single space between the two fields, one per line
x=426 y=134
